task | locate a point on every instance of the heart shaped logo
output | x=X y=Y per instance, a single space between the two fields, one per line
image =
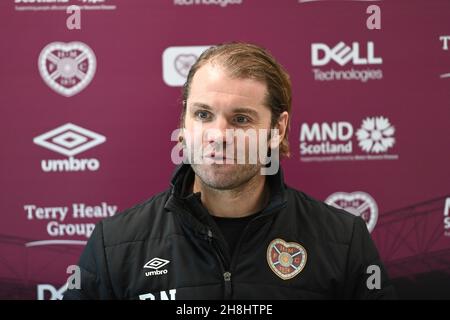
x=184 y=62
x=357 y=203
x=286 y=259
x=67 y=68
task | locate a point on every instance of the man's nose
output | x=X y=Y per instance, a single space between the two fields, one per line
x=217 y=132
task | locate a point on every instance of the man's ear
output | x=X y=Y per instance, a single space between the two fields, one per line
x=281 y=125
x=283 y=121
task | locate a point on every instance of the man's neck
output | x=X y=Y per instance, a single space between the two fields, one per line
x=240 y=202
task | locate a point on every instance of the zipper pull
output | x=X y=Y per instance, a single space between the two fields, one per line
x=228 y=289
x=209 y=236
x=227 y=276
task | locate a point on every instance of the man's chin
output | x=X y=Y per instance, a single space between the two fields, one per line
x=216 y=166
x=215 y=169
x=224 y=176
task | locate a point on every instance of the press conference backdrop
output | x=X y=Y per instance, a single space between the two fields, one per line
x=87 y=116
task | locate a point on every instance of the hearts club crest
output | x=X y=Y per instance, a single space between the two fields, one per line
x=67 y=68
x=286 y=259
x=183 y=63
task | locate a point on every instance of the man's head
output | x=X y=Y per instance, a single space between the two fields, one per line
x=235 y=86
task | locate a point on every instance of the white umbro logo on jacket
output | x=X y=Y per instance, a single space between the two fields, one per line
x=156 y=264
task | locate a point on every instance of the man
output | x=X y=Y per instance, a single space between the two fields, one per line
x=226 y=230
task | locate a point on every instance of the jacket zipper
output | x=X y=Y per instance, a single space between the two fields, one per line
x=226 y=267
x=222 y=262
x=228 y=292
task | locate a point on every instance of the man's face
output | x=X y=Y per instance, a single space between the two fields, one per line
x=219 y=102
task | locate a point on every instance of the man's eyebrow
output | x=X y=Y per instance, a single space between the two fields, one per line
x=201 y=105
x=244 y=110
x=248 y=111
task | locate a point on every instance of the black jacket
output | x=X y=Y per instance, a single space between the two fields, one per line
x=170 y=248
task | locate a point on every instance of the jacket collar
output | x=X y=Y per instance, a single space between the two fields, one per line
x=183 y=177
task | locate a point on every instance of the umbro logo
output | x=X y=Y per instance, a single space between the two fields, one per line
x=156 y=264
x=69 y=140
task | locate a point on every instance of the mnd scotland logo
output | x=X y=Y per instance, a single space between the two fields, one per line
x=335 y=141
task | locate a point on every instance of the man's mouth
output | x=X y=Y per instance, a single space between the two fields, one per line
x=218 y=156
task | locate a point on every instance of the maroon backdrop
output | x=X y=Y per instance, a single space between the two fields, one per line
x=87 y=117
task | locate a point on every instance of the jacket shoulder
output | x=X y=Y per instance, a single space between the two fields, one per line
x=324 y=221
x=142 y=222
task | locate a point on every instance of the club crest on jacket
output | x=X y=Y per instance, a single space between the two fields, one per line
x=286 y=259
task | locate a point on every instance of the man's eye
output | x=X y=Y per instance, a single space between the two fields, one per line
x=242 y=119
x=202 y=115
